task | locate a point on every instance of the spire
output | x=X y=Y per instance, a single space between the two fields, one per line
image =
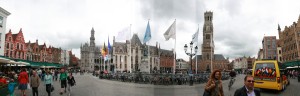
x=279 y=29
x=20 y=30
x=9 y=31
x=92 y=38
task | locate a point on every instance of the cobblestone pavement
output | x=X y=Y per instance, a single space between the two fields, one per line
x=88 y=85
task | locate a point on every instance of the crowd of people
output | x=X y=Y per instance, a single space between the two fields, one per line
x=33 y=78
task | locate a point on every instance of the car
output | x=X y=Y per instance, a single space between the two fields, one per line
x=267 y=75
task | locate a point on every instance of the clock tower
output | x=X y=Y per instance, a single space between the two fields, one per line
x=208 y=34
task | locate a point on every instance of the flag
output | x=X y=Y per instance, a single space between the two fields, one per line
x=123 y=34
x=195 y=36
x=108 y=46
x=147 y=35
x=212 y=42
x=171 y=32
x=104 y=51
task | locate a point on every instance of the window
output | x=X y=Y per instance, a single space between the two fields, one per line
x=207 y=36
x=1 y=21
x=11 y=46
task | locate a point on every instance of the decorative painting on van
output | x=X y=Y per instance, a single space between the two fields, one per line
x=265 y=72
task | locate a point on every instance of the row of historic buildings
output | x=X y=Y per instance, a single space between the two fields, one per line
x=16 y=47
x=127 y=56
x=284 y=49
x=132 y=55
x=13 y=45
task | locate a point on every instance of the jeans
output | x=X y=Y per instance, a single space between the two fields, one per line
x=48 y=89
x=35 y=91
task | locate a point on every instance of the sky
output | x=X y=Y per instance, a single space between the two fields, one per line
x=239 y=25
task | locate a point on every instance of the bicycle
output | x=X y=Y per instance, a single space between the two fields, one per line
x=232 y=80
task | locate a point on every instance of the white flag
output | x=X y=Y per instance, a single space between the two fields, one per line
x=123 y=34
x=195 y=36
x=171 y=32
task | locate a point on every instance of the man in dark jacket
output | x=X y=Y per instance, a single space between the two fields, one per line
x=248 y=89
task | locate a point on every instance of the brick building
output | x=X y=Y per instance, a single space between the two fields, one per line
x=166 y=61
x=289 y=38
x=15 y=45
x=269 y=47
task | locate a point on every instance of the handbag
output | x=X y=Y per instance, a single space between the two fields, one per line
x=206 y=93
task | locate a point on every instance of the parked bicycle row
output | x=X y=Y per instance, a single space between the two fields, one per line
x=159 y=79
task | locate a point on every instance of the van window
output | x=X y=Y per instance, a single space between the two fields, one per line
x=265 y=71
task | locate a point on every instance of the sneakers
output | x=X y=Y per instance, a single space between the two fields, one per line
x=60 y=93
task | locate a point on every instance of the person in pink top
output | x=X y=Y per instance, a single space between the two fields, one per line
x=23 y=81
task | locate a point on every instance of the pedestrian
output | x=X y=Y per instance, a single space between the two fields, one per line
x=11 y=87
x=48 y=82
x=23 y=81
x=35 y=83
x=56 y=74
x=248 y=88
x=71 y=82
x=214 y=84
x=63 y=81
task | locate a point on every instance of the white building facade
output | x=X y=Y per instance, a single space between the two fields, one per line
x=240 y=64
x=3 y=18
x=89 y=53
x=65 y=57
x=132 y=56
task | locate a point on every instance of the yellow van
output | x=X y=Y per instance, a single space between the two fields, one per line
x=267 y=75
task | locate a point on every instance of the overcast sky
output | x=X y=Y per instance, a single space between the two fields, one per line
x=239 y=25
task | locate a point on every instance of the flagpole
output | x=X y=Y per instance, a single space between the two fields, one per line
x=211 y=54
x=130 y=54
x=108 y=44
x=197 y=51
x=174 y=52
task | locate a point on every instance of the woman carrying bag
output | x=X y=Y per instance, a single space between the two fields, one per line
x=214 y=85
x=48 y=82
x=71 y=82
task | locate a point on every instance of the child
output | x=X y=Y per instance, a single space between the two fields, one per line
x=11 y=87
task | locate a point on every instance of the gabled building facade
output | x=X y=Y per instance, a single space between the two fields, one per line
x=15 y=46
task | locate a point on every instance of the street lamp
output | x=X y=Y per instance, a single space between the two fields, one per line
x=191 y=54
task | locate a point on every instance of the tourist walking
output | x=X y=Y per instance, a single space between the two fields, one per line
x=35 y=83
x=48 y=82
x=23 y=81
x=71 y=82
x=214 y=84
x=63 y=81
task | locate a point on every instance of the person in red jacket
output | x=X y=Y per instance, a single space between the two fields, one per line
x=3 y=80
x=23 y=81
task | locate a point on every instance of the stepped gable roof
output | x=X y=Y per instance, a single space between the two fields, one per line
x=135 y=40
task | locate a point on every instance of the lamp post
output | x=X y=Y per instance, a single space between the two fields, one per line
x=191 y=54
